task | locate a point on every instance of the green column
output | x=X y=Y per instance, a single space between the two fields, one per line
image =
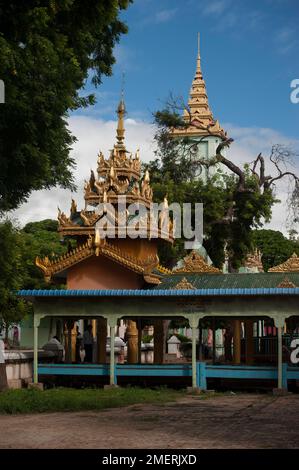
x=112 y=358
x=279 y=348
x=194 y=378
x=35 y=349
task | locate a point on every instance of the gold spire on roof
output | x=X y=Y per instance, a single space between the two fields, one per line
x=199 y=116
x=254 y=261
x=291 y=265
x=120 y=132
x=184 y=284
x=195 y=263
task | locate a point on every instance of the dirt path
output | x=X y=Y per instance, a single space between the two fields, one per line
x=243 y=421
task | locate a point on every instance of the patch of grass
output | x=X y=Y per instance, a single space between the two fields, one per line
x=68 y=399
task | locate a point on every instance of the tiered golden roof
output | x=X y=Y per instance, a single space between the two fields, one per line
x=107 y=198
x=199 y=117
x=117 y=176
x=97 y=247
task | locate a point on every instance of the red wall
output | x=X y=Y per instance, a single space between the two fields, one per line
x=102 y=273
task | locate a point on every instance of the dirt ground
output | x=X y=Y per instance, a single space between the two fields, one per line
x=236 y=421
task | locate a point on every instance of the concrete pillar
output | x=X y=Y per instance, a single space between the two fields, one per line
x=194 y=368
x=279 y=364
x=35 y=350
x=112 y=358
x=249 y=342
x=132 y=341
x=158 y=341
x=237 y=342
x=214 y=340
x=101 y=340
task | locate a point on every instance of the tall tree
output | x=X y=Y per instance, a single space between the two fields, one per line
x=18 y=250
x=48 y=49
x=274 y=246
x=12 y=309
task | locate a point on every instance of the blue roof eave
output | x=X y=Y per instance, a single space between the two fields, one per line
x=158 y=292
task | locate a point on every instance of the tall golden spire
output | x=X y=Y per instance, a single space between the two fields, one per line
x=199 y=116
x=198 y=100
x=120 y=132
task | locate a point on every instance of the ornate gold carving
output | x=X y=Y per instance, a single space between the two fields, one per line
x=50 y=267
x=254 y=260
x=291 y=265
x=195 y=263
x=89 y=217
x=152 y=279
x=163 y=270
x=73 y=207
x=184 y=284
x=286 y=283
x=96 y=246
x=63 y=219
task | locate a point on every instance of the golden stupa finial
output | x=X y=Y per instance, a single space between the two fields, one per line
x=121 y=111
x=198 y=66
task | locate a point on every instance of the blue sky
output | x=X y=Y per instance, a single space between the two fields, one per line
x=249 y=51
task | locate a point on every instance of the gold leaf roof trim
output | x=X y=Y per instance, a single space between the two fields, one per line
x=195 y=263
x=96 y=247
x=184 y=284
x=291 y=265
x=286 y=283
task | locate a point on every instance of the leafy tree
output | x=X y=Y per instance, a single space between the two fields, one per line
x=48 y=48
x=18 y=250
x=39 y=239
x=12 y=309
x=236 y=200
x=274 y=246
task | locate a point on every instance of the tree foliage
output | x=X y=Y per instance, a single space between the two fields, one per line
x=12 y=309
x=18 y=250
x=274 y=246
x=48 y=48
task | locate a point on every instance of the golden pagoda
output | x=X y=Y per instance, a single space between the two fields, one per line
x=199 y=117
x=108 y=194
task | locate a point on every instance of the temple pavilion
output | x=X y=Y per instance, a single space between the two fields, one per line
x=118 y=277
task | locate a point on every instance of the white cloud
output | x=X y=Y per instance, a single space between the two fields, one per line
x=96 y=134
x=165 y=15
x=216 y=7
x=93 y=135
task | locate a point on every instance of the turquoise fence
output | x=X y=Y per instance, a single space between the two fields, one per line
x=204 y=371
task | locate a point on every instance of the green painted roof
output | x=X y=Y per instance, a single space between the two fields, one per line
x=229 y=281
